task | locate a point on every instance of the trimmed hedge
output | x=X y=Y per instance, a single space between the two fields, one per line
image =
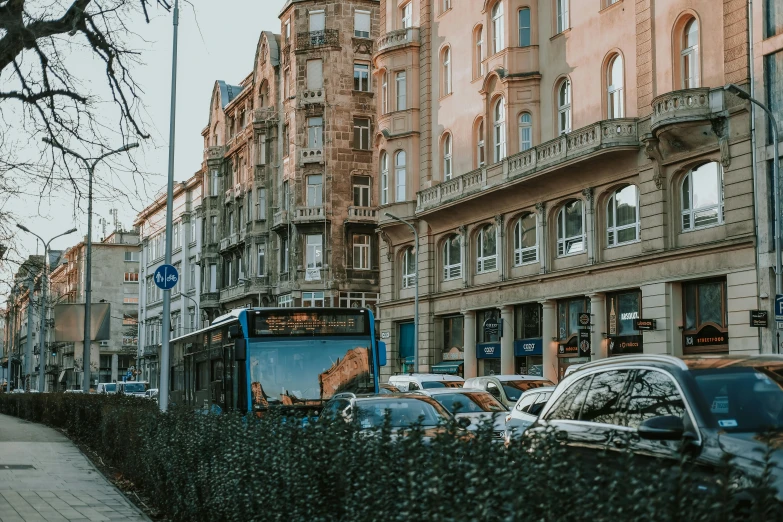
x=198 y=467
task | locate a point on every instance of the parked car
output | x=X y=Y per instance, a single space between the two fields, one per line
x=477 y=406
x=72 y=391
x=659 y=407
x=152 y=393
x=424 y=381
x=526 y=410
x=572 y=368
x=109 y=388
x=404 y=410
x=507 y=388
x=387 y=388
x=133 y=388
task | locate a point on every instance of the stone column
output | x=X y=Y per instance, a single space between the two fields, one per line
x=507 y=341
x=541 y=239
x=548 y=331
x=115 y=363
x=500 y=247
x=589 y=225
x=599 y=344
x=469 y=347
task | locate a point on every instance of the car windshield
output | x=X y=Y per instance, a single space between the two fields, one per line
x=403 y=412
x=135 y=387
x=743 y=399
x=441 y=384
x=514 y=389
x=470 y=402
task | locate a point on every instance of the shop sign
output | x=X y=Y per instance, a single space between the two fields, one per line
x=385 y=334
x=626 y=344
x=644 y=324
x=758 y=318
x=707 y=336
x=584 y=320
x=525 y=347
x=492 y=327
x=488 y=351
x=565 y=349
x=584 y=343
x=454 y=354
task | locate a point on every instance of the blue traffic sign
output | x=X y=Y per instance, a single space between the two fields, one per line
x=779 y=308
x=165 y=277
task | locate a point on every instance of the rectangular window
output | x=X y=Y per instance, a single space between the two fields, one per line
x=315 y=74
x=132 y=256
x=361 y=133
x=315 y=190
x=315 y=132
x=287 y=32
x=361 y=252
x=192 y=230
x=261 y=203
x=192 y=274
x=361 y=77
x=176 y=289
x=202 y=375
x=175 y=239
x=213 y=277
x=261 y=260
x=361 y=191
x=773 y=72
x=262 y=150
x=400 y=83
x=286 y=196
x=385 y=93
x=406 y=17
x=213 y=229
x=213 y=187
x=482 y=317
x=621 y=311
x=527 y=321
x=314 y=251
x=361 y=24
x=312 y=299
x=283 y=255
x=317 y=21
x=562 y=15
x=705 y=321
x=568 y=311
x=286 y=83
x=453 y=333
x=773 y=18
x=131 y=277
x=524 y=27
x=285 y=301
x=286 y=141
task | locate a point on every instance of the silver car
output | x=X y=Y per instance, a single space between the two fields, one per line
x=477 y=406
x=526 y=410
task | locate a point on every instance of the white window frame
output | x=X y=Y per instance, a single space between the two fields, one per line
x=361 y=252
x=285 y=301
x=361 y=21
x=213 y=186
x=486 y=263
x=479 y=57
x=612 y=231
x=564 y=108
x=562 y=15
x=315 y=191
x=312 y=299
x=284 y=255
x=481 y=150
x=615 y=103
x=447 y=71
x=384 y=178
x=385 y=92
x=525 y=28
x=499 y=138
x=525 y=131
x=315 y=132
x=690 y=79
x=452 y=268
x=686 y=207
x=363 y=133
x=363 y=190
x=192 y=274
x=408 y=278
x=446 y=5
x=562 y=241
x=400 y=176
x=260 y=203
x=406 y=15
x=362 y=70
x=314 y=251
x=525 y=255
x=447 y=156
x=401 y=85
x=498 y=31
x=261 y=260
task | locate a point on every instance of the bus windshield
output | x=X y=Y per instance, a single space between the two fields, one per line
x=307 y=372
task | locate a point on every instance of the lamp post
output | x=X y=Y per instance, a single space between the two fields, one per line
x=196 y=305
x=42 y=338
x=416 y=292
x=90 y=164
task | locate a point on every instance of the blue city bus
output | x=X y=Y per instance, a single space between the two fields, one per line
x=254 y=359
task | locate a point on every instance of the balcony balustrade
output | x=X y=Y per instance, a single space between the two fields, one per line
x=397 y=38
x=362 y=214
x=315 y=39
x=315 y=155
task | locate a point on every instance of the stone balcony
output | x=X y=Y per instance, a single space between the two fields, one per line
x=242 y=234
x=397 y=38
x=239 y=191
x=150 y=350
x=209 y=299
x=362 y=214
x=264 y=114
x=280 y=219
x=685 y=106
x=232 y=292
x=229 y=195
x=309 y=214
x=311 y=97
x=225 y=243
x=316 y=39
x=596 y=138
x=233 y=239
x=314 y=155
x=214 y=153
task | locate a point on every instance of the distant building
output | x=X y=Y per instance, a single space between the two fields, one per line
x=17 y=316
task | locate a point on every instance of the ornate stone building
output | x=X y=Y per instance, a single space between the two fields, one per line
x=561 y=158
x=288 y=216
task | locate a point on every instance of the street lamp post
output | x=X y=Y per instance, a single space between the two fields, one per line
x=195 y=304
x=44 y=275
x=90 y=164
x=416 y=292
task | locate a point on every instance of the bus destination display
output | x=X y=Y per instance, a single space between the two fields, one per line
x=309 y=323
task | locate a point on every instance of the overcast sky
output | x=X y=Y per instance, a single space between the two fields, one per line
x=217 y=41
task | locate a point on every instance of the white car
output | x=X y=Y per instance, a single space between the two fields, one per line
x=526 y=410
x=152 y=393
x=133 y=388
x=109 y=388
x=477 y=406
x=424 y=381
x=507 y=388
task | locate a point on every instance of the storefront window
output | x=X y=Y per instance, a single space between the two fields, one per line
x=488 y=342
x=482 y=335
x=452 y=333
x=705 y=317
x=528 y=345
x=568 y=350
x=621 y=311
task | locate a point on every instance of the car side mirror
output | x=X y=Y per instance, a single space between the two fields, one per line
x=666 y=427
x=463 y=422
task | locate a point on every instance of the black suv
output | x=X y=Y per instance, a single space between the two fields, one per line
x=659 y=406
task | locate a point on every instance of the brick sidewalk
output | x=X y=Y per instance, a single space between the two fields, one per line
x=44 y=477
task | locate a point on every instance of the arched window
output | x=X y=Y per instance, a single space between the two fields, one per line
x=447 y=157
x=452 y=258
x=384 y=178
x=622 y=216
x=562 y=15
x=497 y=27
x=409 y=268
x=479 y=52
x=399 y=175
x=525 y=240
x=702 y=197
x=614 y=81
x=446 y=70
x=499 y=115
x=525 y=131
x=571 y=229
x=486 y=250
x=524 y=27
x=263 y=95
x=564 y=107
x=481 y=158
x=689 y=56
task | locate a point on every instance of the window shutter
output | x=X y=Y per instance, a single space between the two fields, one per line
x=315 y=74
x=317 y=21
x=361 y=24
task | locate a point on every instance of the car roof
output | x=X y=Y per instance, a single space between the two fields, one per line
x=426 y=377
x=512 y=377
x=685 y=363
x=444 y=391
x=539 y=390
x=390 y=397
